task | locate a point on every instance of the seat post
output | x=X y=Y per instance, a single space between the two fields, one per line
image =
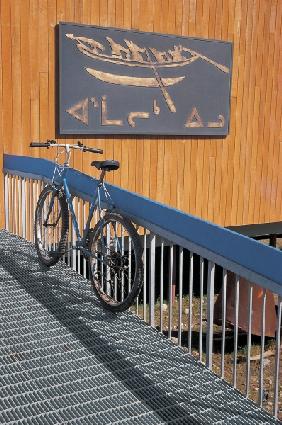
x=101 y=179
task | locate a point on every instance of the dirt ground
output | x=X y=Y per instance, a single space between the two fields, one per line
x=269 y=351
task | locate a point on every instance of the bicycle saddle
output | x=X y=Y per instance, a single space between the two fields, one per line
x=108 y=165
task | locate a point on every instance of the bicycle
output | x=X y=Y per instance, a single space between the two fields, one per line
x=113 y=248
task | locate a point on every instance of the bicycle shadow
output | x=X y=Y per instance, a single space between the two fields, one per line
x=82 y=315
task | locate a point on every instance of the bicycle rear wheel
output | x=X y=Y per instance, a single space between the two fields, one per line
x=116 y=267
x=51 y=225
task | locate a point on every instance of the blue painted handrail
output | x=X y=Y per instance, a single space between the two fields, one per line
x=248 y=258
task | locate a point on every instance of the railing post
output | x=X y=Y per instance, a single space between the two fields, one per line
x=161 y=285
x=6 y=191
x=224 y=288
x=180 y=295
x=170 y=289
x=23 y=209
x=210 y=305
x=201 y=308
x=236 y=321
x=249 y=338
x=152 y=279
x=191 y=276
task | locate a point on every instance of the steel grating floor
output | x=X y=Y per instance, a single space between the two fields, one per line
x=64 y=360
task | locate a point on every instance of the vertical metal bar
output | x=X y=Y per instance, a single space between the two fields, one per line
x=236 y=319
x=69 y=243
x=10 y=203
x=6 y=191
x=83 y=226
x=122 y=273
x=13 y=200
x=260 y=401
x=152 y=279
x=171 y=268
x=129 y=262
x=210 y=304
x=223 y=324
x=277 y=358
x=18 y=207
x=145 y=277
x=180 y=295
x=79 y=226
x=27 y=195
x=31 y=211
x=162 y=286
x=116 y=248
x=74 y=237
x=24 y=208
x=15 y=205
x=201 y=309
x=108 y=270
x=191 y=274
x=249 y=339
x=44 y=230
x=34 y=201
x=10 y=220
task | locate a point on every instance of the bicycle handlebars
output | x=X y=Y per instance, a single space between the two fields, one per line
x=53 y=143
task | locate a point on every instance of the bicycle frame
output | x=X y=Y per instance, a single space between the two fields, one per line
x=59 y=180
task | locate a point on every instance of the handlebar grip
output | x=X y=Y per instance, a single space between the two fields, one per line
x=39 y=145
x=93 y=150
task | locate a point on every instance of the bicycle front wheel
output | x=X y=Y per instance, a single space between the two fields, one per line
x=116 y=267
x=51 y=225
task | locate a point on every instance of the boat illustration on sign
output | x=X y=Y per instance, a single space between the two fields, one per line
x=135 y=56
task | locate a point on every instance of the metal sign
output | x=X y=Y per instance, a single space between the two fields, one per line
x=127 y=82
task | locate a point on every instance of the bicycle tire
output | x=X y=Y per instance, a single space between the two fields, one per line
x=121 y=274
x=50 y=251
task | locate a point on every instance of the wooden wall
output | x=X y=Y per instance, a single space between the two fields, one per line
x=234 y=180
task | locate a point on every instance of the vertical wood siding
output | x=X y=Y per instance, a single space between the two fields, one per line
x=235 y=180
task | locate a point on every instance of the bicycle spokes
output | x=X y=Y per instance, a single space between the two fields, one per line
x=114 y=261
x=50 y=222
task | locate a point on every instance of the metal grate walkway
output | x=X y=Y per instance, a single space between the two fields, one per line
x=64 y=360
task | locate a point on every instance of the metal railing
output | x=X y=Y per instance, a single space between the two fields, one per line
x=187 y=261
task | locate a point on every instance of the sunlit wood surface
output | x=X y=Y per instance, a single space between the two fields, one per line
x=236 y=180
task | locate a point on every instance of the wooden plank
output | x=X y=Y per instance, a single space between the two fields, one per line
x=256 y=187
x=264 y=185
x=16 y=77
x=239 y=146
x=34 y=74
x=25 y=83
x=250 y=110
x=211 y=190
x=86 y=12
x=43 y=36
x=245 y=149
x=272 y=90
x=192 y=18
x=95 y=12
x=52 y=68
x=43 y=107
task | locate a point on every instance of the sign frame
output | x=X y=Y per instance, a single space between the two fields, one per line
x=92 y=113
